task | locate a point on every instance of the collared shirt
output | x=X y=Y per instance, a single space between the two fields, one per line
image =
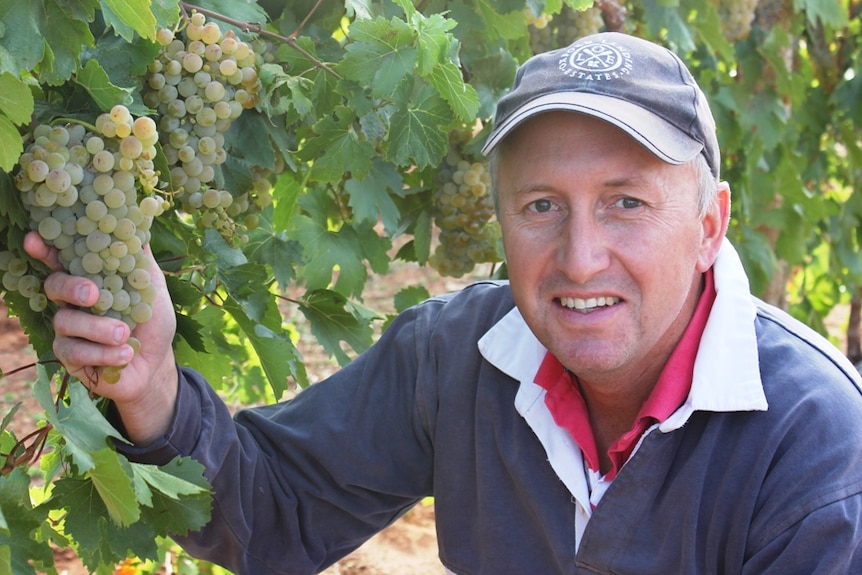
x=725 y=378
x=569 y=409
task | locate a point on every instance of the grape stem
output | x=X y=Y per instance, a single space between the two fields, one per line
x=257 y=28
x=87 y=125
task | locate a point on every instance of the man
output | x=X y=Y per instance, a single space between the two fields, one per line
x=622 y=406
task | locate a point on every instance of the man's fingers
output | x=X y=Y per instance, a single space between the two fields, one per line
x=71 y=290
x=74 y=323
x=38 y=249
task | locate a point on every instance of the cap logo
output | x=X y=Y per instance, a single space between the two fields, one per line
x=595 y=61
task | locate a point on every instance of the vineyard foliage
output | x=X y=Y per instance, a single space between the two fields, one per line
x=339 y=137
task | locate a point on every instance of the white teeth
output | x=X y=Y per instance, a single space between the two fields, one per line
x=588 y=304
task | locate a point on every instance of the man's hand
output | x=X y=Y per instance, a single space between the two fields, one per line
x=85 y=343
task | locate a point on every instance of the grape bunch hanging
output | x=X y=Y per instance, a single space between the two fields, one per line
x=464 y=212
x=201 y=81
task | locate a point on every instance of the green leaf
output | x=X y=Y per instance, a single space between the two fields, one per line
x=380 y=55
x=11 y=146
x=21 y=45
x=94 y=79
x=417 y=134
x=18 y=546
x=135 y=14
x=281 y=254
x=66 y=37
x=113 y=482
x=507 y=26
x=434 y=42
x=337 y=149
x=830 y=12
x=447 y=79
x=333 y=320
x=16 y=101
x=409 y=297
x=182 y=498
x=171 y=484
x=327 y=250
x=278 y=356
x=370 y=197
x=82 y=425
x=100 y=542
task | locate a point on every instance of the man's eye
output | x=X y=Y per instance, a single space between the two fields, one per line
x=629 y=203
x=541 y=206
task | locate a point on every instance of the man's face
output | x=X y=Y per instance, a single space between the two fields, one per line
x=604 y=245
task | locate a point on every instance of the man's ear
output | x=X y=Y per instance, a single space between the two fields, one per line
x=714 y=223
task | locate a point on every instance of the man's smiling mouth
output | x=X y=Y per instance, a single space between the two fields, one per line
x=588 y=305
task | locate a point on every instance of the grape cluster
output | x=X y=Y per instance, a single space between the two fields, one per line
x=80 y=188
x=201 y=81
x=736 y=17
x=464 y=212
x=564 y=28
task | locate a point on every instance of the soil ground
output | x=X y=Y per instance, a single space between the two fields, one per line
x=409 y=546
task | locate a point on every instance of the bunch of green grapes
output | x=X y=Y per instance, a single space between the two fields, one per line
x=80 y=186
x=464 y=213
x=736 y=17
x=201 y=81
x=564 y=28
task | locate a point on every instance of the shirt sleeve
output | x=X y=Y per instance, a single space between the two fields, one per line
x=299 y=484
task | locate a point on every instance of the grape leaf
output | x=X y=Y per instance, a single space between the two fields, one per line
x=127 y=15
x=369 y=197
x=200 y=353
x=279 y=253
x=830 y=12
x=278 y=356
x=20 y=521
x=172 y=484
x=410 y=296
x=81 y=424
x=21 y=45
x=447 y=79
x=94 y=79
x=333 y=320
x=509 y=25
x=380 y=55
x=113 y=482
x=417 y=134
x=66 y=36
x=100 y=541
x=337 y=149
x=16 y=101
x=11 y=145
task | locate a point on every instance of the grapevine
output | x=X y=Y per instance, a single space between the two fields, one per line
x=464 y=212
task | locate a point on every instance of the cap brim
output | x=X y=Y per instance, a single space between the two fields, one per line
x=656 y=134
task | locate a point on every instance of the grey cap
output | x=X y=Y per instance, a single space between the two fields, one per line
x=640 y=87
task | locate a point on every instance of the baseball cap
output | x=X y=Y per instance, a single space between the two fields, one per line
x=636 y=85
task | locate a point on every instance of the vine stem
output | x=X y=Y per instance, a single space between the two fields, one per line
x=257 y=28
